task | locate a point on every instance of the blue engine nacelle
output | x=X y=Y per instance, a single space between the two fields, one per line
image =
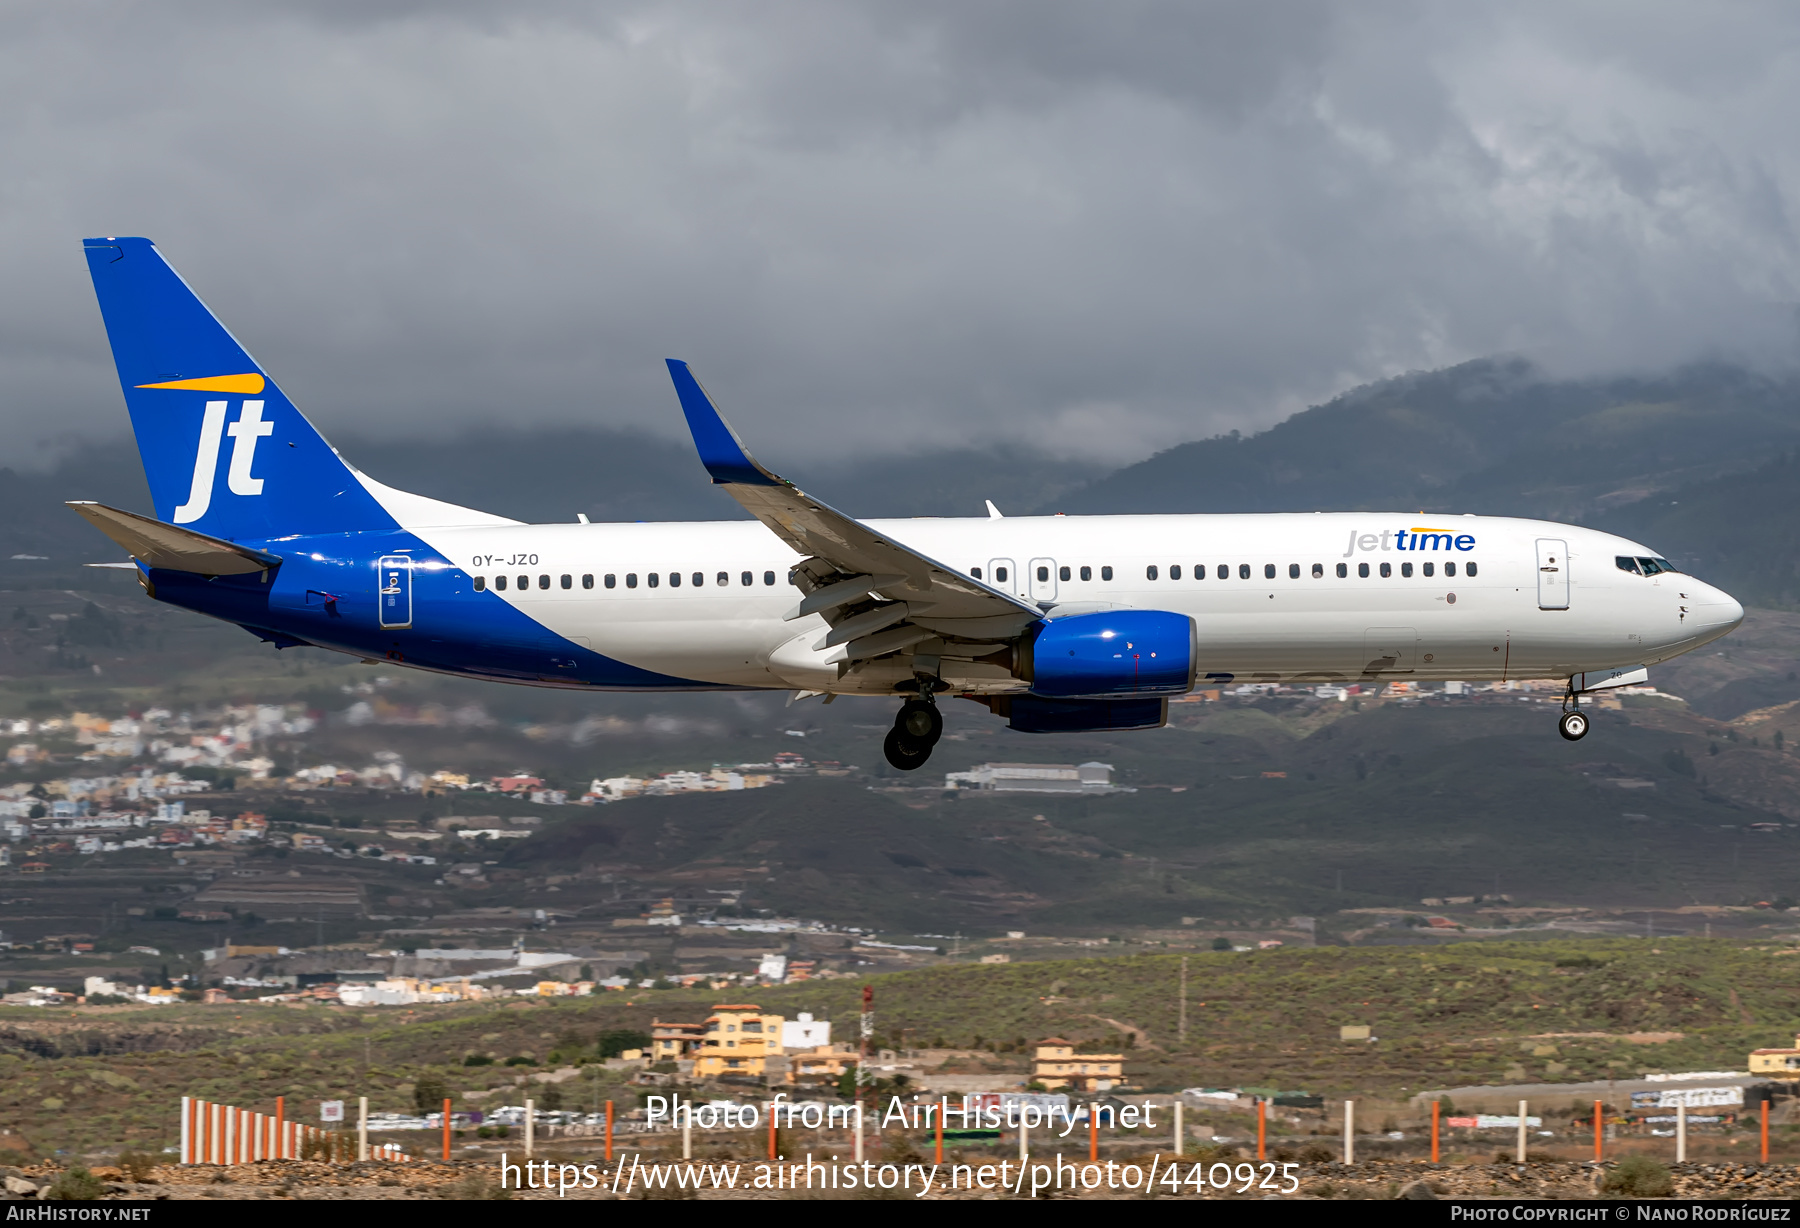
x=1112 y=653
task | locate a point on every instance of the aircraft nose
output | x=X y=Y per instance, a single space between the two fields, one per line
x=1719 y=611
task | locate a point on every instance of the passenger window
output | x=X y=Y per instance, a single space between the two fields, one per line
x=1450 y=570
x=1362 y=569
x=652 y=578
x=631 y=579
x=568 y=581
x=1268 y=571
x=1044 y=575
x=1199 y=571
x=1106 y=573
x=524 y=582
x=1625 y=562
x=768 y=577
x=1293 y=571
x=1406 y=569
x=1062 y=573
x=1224 y=571
x=1468 y=569
x=723 y=579
x=699 y=579
x=543 y=581
x=1150 y=572
x=1087 y=573
x=674 y=579
x=746 y=580
x=1000 y=575
x=1318 y=571
x=1344 y=570
x=976 y=572
x=1243 y=571
x=1387 y=569
x=1430 y=568
x=1174 y=571
x=611 y=580
x=481 y=584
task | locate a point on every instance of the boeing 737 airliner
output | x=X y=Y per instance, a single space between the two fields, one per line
x=1056 y=623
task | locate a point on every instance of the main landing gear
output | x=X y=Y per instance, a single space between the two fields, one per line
x=917 y=728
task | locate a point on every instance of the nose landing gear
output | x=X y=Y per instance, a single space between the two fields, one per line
x=917 y=728
x=1573 y=725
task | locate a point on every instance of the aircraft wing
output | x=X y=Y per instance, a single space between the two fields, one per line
x=165 y=546
x=878 y=595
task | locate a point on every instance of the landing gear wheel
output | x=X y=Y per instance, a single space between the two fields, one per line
x=920 y=723
x=1573 y=726
x=903 y=752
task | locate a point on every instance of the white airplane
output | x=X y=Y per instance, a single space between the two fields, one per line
x=1058 y=624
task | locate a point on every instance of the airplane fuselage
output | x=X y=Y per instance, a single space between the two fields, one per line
x=1307 y=598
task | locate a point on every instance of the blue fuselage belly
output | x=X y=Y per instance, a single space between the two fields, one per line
x=324 y=593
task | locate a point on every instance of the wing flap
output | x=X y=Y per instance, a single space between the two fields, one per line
x=156 y=544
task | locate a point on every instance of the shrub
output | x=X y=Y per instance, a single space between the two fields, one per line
x=520 y=1061
x=614 y=1041
x=1214 y=1153
x=1639 y=1177
x=478 y=1059
x=137 y=1166
x=429 y=1094
x=75 y=1184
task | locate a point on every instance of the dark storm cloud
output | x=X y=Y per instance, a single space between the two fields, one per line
x=1096 y=229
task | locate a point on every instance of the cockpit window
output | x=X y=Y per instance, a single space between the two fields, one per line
x=1626 y=563
x=1644 y=567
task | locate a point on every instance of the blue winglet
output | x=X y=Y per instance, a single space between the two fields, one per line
x=721 y=451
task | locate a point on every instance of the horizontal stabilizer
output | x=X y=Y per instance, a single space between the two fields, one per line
x=155 y=544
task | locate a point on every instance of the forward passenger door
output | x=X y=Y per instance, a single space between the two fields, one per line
x=1553 y=574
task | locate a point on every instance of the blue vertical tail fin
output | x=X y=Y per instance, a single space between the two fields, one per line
x=226 y=453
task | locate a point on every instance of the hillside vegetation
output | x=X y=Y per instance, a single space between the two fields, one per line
x=1472 y=1013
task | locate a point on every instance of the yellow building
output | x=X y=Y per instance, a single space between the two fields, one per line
x=824 y=1063
x=1058 y=1065
x=738 y=1040
x=675 y=1042
x=1777 y=1063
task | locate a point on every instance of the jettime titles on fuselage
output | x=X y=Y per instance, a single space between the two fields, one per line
x=1409 y=540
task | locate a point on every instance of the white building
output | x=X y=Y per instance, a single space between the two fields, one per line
x=1034 y=778
x=805 y=1032
x=773 y=968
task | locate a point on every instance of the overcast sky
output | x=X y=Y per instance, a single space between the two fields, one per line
x=1096 y=229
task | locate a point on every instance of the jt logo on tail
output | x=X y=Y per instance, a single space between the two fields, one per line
x=245 y=432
